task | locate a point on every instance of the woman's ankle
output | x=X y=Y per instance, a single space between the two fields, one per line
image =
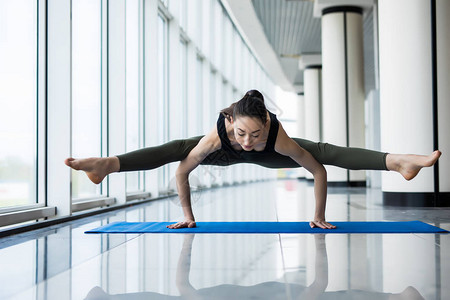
x=392 y=162
x=113 y=164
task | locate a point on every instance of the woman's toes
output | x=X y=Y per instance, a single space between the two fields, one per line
x=435 y=156
x=432 y=158
x=68 y=161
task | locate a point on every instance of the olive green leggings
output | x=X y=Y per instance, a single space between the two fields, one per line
x=327 y=154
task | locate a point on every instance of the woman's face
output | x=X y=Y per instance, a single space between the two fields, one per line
x=247 y=131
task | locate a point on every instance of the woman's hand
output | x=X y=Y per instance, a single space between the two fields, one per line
x=183 y=224
x=321 y=224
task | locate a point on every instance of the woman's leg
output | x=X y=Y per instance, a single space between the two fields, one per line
x=327 y=154
x=144 y=159
x=348 y=158
x=408 y=165
x=154 y=157
x=345 y=157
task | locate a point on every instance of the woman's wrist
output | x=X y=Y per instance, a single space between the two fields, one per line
x=188 y=214
x=319 y=217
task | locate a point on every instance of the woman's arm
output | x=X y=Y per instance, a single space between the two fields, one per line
x=320 y=283
x=288 y=147
x=208 y=144
x=185 y=287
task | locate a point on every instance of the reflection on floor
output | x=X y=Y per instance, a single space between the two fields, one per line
x=62 y=262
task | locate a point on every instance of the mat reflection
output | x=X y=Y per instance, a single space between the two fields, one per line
x=266 y=290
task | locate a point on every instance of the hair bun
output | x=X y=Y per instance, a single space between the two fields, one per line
x=255 y=94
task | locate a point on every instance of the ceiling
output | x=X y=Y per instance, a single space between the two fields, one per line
x=292 y=30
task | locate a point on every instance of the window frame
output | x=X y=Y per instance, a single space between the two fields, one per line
x=40 y=208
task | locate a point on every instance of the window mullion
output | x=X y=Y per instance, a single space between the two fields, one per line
x=41 y=145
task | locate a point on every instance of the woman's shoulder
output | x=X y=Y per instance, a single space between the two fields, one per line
x=275 y=124
x=272 y=116
x=212 y=139
x=282 y=141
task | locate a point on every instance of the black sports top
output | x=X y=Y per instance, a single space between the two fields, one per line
x=271 y=139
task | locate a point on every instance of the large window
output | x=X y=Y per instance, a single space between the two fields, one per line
x=196 y=121
x=212 y=105
x=86 y=90
x=134 y=104
x=212 y=33
x=18 y=102
x=183 y=13
x=227 y=53
x=177 y=105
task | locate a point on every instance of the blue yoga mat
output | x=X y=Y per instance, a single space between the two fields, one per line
x=270 y=227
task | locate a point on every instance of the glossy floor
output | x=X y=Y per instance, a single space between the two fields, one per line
x=62 y=262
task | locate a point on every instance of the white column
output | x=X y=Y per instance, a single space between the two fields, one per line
x=151 y=87
x=301 y=123
x=206 y=122
x=312 y=77
x=443 y=94
x=174 y=92
x=343 y=85
x=117 y=94
x=59 y=100
x=373 y=133
x=192 y=111
x=407 y=79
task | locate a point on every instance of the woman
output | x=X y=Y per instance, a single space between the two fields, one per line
x=247 y=132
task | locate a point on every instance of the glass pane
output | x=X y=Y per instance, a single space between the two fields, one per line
x=162 y=36
x=133 y=112
x=176 y=104
x=18 y=102
x=183 y=81
x=211 y=111
x=183 y=14
x=86 y=90
x=199 y=97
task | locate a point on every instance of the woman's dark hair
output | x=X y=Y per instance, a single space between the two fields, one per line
x=251 y=105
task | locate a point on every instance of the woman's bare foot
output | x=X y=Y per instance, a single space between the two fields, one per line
x=409 y=165
x=96 y=168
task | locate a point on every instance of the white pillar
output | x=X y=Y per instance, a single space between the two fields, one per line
x=151 y=88
x=59 y=84
x=174 y=96
x=343 y=85
x=312 y=77
x=301 y=123
x=117 y=95
x=443 y=94
x=414 y=92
